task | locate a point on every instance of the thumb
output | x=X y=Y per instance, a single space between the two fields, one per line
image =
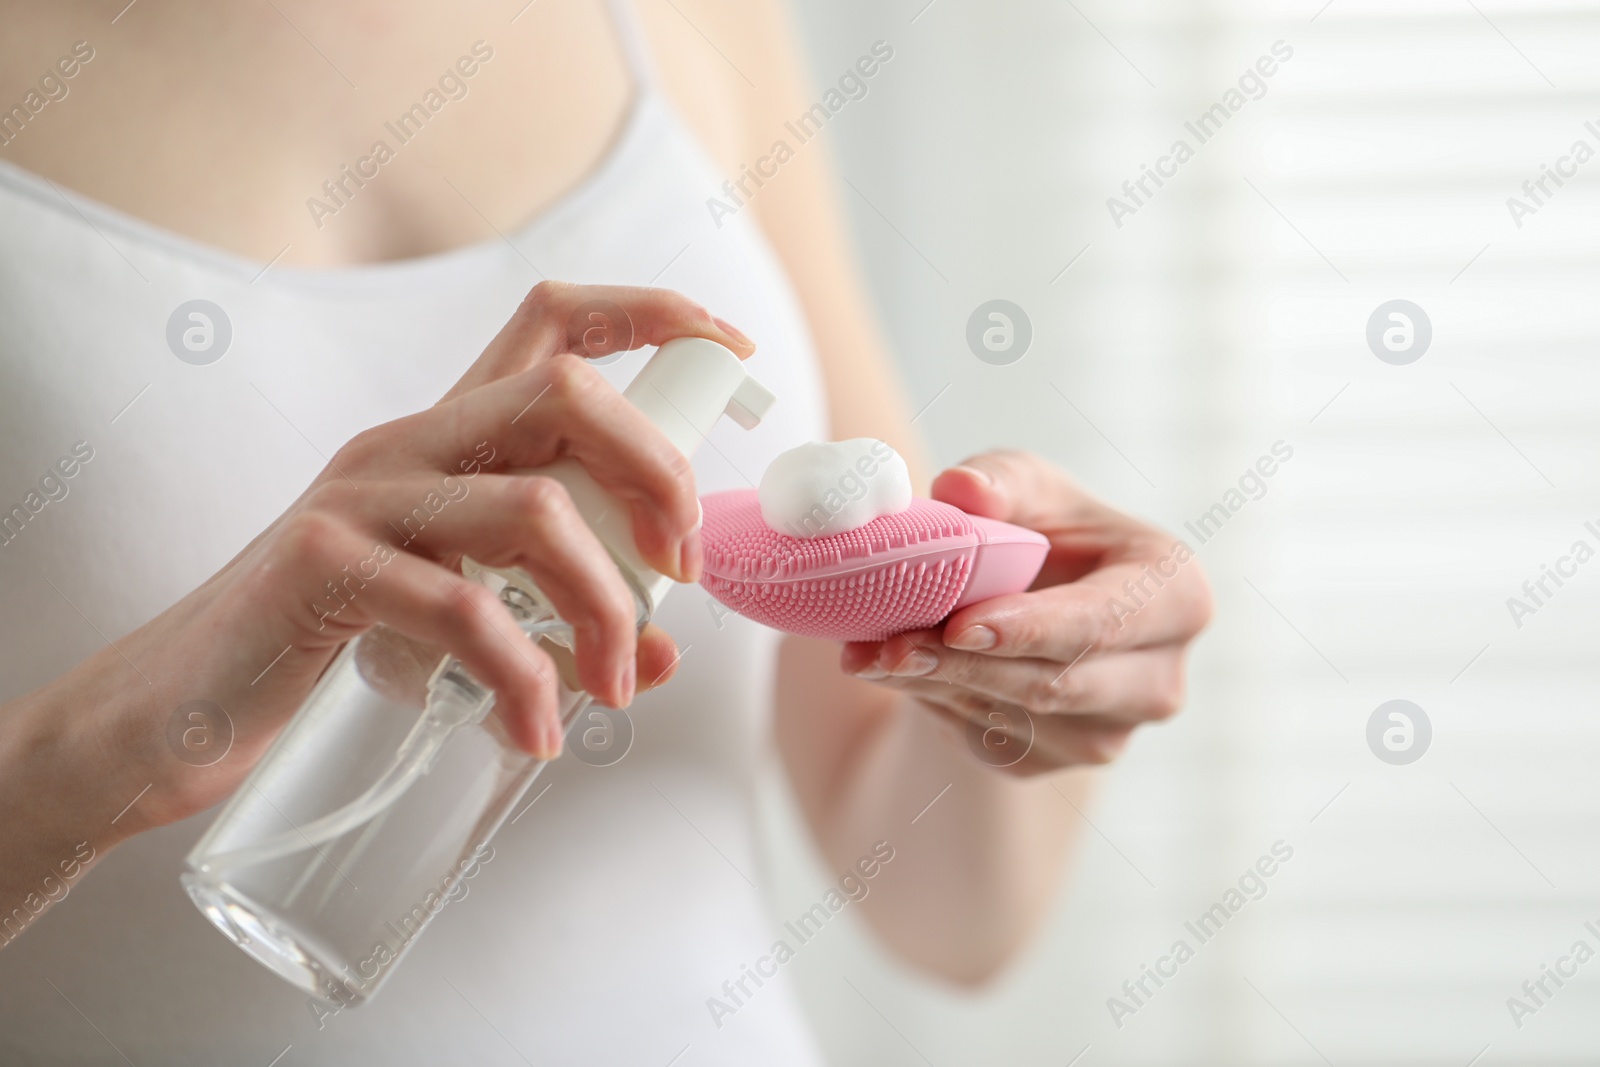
x=1011 y=486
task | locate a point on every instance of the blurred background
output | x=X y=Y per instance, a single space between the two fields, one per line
x=1229 y=312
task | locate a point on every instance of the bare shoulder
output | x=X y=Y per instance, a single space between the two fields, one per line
x=728 y=65
x=734 y=68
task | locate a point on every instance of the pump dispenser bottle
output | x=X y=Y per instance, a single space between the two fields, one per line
x=380 y=796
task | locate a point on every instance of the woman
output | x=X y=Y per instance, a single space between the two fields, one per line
x=179 y=151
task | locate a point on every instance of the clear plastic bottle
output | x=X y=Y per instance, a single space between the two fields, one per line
x=380 y=796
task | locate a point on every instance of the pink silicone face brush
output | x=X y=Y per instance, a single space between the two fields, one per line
x=897 y=573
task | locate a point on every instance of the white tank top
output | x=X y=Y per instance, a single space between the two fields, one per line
x=626 y=896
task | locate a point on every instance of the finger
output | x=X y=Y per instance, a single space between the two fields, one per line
x=505 y=521
x=429 y=603
x=562 y=409
x=1145 y=685
x=658 y=657
x=1021 y=488
x=593 y=320
x=1120 y=606
x=1113 y=582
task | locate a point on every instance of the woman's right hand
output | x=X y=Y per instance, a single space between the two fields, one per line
x=409 y=499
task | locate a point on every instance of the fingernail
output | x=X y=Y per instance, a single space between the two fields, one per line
x=691 y=556
x=629 y=683
x=973 y=639
x=871 y=672
x=981 y=475
x=732 y=331
x=915 y=665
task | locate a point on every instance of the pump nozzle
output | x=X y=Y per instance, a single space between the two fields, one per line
x=750 y=403
x=689 y=384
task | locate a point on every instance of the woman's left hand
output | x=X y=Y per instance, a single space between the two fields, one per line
x=1060 y=675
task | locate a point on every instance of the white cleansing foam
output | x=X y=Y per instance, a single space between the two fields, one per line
x=833 y=487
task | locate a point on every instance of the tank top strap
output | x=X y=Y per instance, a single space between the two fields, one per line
x=635 y=48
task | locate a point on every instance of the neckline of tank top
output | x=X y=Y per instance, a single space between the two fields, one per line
x=646 y=111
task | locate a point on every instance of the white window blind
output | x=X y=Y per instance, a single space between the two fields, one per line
x=1227 y=313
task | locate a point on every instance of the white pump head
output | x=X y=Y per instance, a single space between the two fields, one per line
x=684 y=389
x=691 y=382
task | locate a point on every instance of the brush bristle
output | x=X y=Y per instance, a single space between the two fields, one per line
x=897 y=573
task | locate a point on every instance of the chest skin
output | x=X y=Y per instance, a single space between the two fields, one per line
x=230 y=123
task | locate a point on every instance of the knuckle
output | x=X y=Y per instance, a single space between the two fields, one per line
x=674 y=303
x=1103 y=746
x=536 y=499
x=1167 y=700
x=331 y=498
x=611 y=621
x=1096 y=753
x=619 y=607
x=995 y=457
x=544 y=296
x=958 y=670
x=1063 y=693
x=680 y=475
x=678 y=467
x=1024 y=633
x=572 y=379
x=605 y=601
x=1101 y=624
x=1165 y=706
x=1091 y=754
x=310 y=537
x=536 y=670
x=610 y=608
x=463 y=606
x=363 y=448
